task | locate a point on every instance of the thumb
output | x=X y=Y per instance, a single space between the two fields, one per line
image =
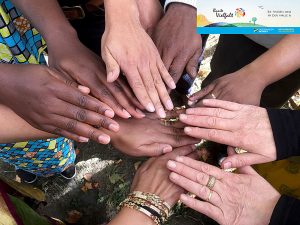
x=155 y=149
x=201 y=94
x=112 y=67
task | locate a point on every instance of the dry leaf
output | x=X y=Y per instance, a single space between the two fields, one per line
x=118 y=162
x=73 y=216
x=77 y=151
x=88 y=177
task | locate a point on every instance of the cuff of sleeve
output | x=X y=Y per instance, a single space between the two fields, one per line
x=187 y=2
x=282 y=213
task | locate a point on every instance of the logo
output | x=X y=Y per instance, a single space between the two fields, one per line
x=240 y=12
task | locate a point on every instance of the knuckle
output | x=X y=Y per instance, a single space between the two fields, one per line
x=212 y=134
x=211 y=121
x=71 y=125
x=81 y=115
x=206 y=169
x=173 y=71
x=117 y=87
x=82 y=100
x=137 y=84
x=69 y=82
x=200 y=178
x=201 y=190
x=57 y=131
x=99 y=109
x=92 y=134
x=104 y=92
x=218 y=112
x=103 y=123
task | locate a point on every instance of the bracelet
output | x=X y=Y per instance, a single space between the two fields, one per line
x=149 y=204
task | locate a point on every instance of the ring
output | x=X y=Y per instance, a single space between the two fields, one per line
x=209 y=195
x=213 y=96
x=211 y=182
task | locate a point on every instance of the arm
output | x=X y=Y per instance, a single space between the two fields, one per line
x=14 y=128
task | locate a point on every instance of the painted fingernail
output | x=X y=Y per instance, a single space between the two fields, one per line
x=126 y=114
x=171 y=164
x=140 y=112
x=179 y=159
x=83 y=139
x=104 y=139
x=170 y=105
x=227 y=165
x=109 y=113
x=114 y=127
x=161 y=112
x=173 y=176
x=187 y=129
x=182 y=116
x=167 y=149
x=150 y=107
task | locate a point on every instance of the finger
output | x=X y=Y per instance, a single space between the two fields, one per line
x=155 y=149
x=119 y=94
x=181 y=151
x=152 y=92
x=63 y=77
x=208 y=122
x=219 y=136
x=173 y=131
x=200 y=190
x=112 y=66
x=200 y=94
x=201 y=167
x=202 y=207
x=66 y=134
x=165 y=75
x=244 y=159
x=139 y=90
x=193 y=175
x=178 y=140
x=81 y=129
x=83 y=89
x=232 y=106
x=177 y=67
x=75 y=97
x=192 y=65
x=88 y=117
x=215 y=112
x=161 y=88
x=167 y=58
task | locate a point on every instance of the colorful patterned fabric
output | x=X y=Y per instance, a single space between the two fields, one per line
x=20 y=43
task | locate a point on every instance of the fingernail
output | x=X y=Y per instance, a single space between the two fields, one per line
x=190 y=102
x=109 y=113
x=187 y=129
x=150 y=107
x=182 y=116
x=183 y=197
x=227 y=165
x=179 y=159
x=140 y=112
x=170 y=105
x=221 y=160
x=172 y=85
x=126 y=114
x=83 y=139
x=167 y=149
x=114 y=127
x=171 y=164
x=173 y=176
x=161 y=112
x=104 y=139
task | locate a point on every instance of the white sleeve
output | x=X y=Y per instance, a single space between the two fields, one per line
x=188 y=2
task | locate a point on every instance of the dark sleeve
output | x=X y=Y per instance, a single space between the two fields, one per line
x=286 y=131
x=286 y=212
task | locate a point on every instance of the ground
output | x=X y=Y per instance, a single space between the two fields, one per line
x=103 y=180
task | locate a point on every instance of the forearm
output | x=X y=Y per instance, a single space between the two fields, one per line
x=276 y=63
x=15 y=129
x=131 y=217
x=47 y=17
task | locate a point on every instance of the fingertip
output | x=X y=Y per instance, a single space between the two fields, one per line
x=109 y=113
x=142 y=115
x=167 y=149
x=84 y=89
x=114 y=127
x=104 y=139
x=126 y=114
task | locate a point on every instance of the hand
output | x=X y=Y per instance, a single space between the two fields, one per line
x=130 y=49
x=240 y=87
x=148 y=136
x=48 y=102
x=236 y=199
x=177 y=41
x=74 y=60
x=153 y=176
x=244 y=126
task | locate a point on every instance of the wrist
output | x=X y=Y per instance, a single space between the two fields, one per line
x=126 y=214
x=121 y=12
x=254 y=73
x=68 y=33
